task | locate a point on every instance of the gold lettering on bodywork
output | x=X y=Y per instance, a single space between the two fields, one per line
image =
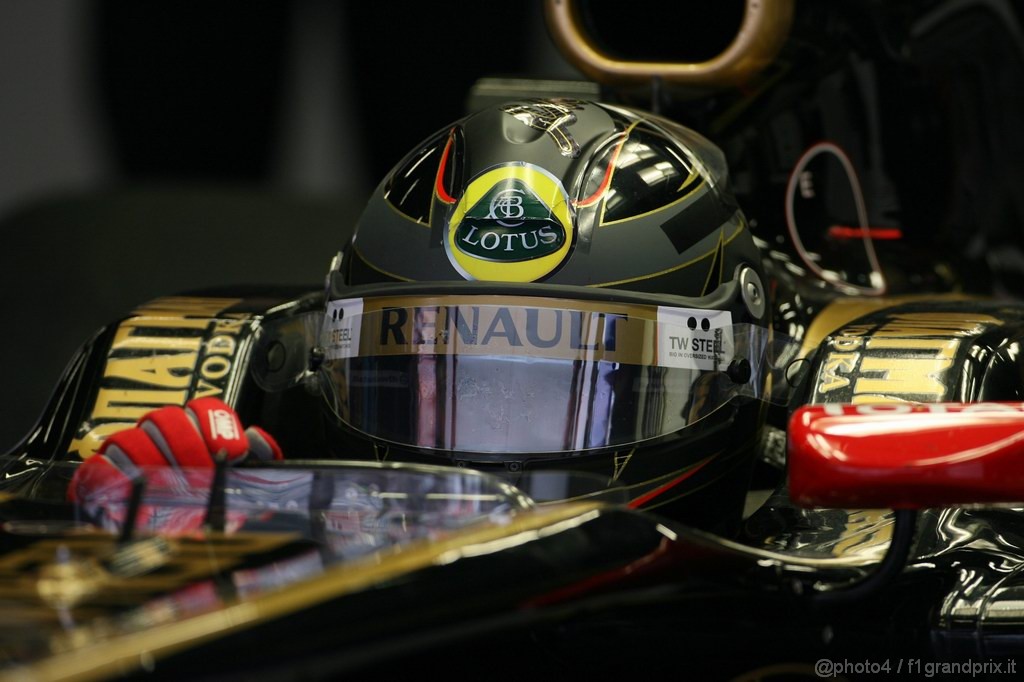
x=935 y=324
x=173 y=349
x=911 y=330
x=854 y=332
x=127 y=335
x=130 y=405
x=903 y=376
x=924 y=325
x=903 y=357
x=205 y=389
x=167 y=371
x=215 y=367
x=944 y=348
x=834 y=364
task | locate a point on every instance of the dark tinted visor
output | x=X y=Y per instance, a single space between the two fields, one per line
x=531 y=375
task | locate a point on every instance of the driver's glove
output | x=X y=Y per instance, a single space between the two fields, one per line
x=184 y=438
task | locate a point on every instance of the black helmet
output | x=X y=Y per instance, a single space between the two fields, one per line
x=554 y=284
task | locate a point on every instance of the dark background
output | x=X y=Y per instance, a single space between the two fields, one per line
x=149 y=148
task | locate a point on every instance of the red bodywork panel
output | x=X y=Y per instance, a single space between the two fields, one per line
x=907 y=456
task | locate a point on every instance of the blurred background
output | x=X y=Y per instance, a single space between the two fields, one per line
x=160 y=147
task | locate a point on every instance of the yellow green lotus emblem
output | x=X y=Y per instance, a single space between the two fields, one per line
x=513 y=224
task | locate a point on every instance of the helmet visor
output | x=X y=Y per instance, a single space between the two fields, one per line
x=489 y=374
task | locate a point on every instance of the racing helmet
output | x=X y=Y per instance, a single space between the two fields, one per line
x=555 y=284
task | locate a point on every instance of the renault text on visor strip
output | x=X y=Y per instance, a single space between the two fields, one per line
x=660 y=336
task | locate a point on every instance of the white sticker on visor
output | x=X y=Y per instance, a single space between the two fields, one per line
x=694 y=338
x=342 y=326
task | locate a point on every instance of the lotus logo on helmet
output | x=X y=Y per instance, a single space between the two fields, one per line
x=513 y=224
x=509 y=205
x=509 y=224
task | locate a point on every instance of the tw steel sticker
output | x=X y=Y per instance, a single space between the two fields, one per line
x=169 y=352
x=694 y=339
x=342 y=327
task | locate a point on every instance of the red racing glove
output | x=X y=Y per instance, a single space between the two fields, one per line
x=181 y=438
